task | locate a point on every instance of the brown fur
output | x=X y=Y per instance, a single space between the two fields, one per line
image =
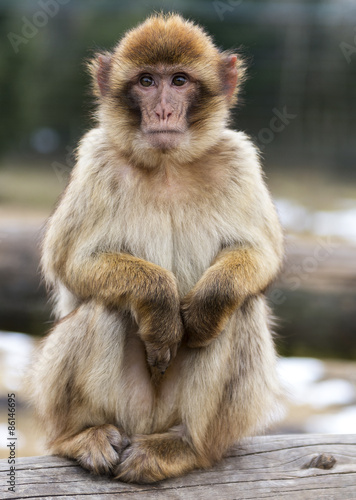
x=158 y=255
x=149 y=291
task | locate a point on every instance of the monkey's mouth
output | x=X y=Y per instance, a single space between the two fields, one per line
x=164 y=139
x=164 y=132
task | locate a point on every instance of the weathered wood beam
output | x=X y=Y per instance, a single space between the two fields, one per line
x=290 y=467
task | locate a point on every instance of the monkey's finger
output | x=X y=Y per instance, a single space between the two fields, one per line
x=158 y=358
x=163 y=360
x=119 y=447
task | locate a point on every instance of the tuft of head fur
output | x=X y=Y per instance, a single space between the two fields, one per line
x=164 y=40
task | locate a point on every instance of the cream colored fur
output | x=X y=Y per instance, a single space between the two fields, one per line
x=180 y=218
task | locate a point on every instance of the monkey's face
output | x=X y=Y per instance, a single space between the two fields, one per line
x=163 y=97
x=165 y=91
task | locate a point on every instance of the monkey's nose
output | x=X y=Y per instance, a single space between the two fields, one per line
x=163 y=111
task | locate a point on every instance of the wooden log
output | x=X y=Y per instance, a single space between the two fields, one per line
x=290 y=467
x=319 y=264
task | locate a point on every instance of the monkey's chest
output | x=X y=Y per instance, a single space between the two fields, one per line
x=183 y=239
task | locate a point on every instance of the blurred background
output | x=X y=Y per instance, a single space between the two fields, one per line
x=299 y=107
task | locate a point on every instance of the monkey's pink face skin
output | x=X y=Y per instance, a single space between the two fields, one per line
x=164 y=99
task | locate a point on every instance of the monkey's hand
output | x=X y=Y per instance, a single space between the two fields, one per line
x=160 y=357
x=161 y=329
x=208 y=306
x=149 y=290
x=205 y=314
x=235 y=275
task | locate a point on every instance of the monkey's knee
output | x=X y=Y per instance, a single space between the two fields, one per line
x=97 y=449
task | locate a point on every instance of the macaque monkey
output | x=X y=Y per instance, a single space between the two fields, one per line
x=158 y=256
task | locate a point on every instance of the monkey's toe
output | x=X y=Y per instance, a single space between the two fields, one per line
x=100 y=448
x=137 y=465
x=155 y=457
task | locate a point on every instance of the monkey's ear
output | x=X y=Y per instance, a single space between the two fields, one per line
x=230 y=75
x=233 y=75
x=99 y=68
x=102 y=75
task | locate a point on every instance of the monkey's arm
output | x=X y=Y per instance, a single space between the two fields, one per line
x=234 y=276
x=148 y=290
x=72 y=255
x=243 y=269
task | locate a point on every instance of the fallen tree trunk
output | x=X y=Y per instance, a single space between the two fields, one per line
x=290 y=467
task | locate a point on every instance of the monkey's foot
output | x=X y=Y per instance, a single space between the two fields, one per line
x=97 y=449
x=152 y=458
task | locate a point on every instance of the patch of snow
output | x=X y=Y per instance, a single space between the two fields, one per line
x=15 y=353
x=296 y=218
x=297 y=374
x=330 y=392
x=343 y=422
x=292 y=215
x=340 y=223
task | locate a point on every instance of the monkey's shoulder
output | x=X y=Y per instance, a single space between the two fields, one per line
x=236 y=154
x=239 y=148
x=94 y=151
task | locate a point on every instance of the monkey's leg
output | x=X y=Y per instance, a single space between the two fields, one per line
x=228 y=390
x=80 y=387
x=97 y=448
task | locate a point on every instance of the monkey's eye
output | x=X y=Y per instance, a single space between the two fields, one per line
x=146 y=81
x=179 y=80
